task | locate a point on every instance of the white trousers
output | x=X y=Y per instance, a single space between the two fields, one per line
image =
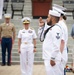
x=26 y=60
x=62 y=66
x=63 y=61
x=52 y=70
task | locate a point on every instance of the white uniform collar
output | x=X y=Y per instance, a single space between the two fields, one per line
x=27 y=29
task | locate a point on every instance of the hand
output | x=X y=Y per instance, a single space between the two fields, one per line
x=12 y=41
x=41 y=22
x=52 y=62
x=19 y=51
x=34 y=50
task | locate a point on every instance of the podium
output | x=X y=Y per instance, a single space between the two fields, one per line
x=40 y=8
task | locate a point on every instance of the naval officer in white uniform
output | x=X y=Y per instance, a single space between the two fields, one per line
x=51 y=45
x=26 y=47
x=64 y=40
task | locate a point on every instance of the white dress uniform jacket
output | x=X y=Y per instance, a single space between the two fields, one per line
x=27 y=36
x=26 y=48
x=51 y=49
x=65 y=38
x=51 y=44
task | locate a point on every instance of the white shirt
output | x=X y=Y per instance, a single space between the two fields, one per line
x=64 y=32
x=64 y=37
x=51 y=43
x=27 y=35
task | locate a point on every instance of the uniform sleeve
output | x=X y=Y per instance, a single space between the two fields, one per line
x=41 y=31
x=63 y=33
x=63 y=36
x=14 y=30
x=19 y=34
x=34 y=34
x=56 y=39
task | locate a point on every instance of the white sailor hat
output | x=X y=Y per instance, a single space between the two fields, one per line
x=7 y=15
x=26 y=20
x=60 y=7
x=54 y=13
x=59 y=10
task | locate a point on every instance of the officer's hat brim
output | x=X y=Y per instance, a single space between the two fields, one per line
x=7 y=15
x=26 y=21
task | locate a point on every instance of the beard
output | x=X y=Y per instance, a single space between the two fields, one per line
x=49 y=23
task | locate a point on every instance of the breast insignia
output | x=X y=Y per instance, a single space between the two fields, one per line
x=30 y=31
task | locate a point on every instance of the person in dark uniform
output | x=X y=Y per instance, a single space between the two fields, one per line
x=7 y=37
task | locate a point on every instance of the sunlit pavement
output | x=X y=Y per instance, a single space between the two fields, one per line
x=15 y=70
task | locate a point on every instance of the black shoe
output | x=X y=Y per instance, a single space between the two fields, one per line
x=2 y=64
x=9 y=64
